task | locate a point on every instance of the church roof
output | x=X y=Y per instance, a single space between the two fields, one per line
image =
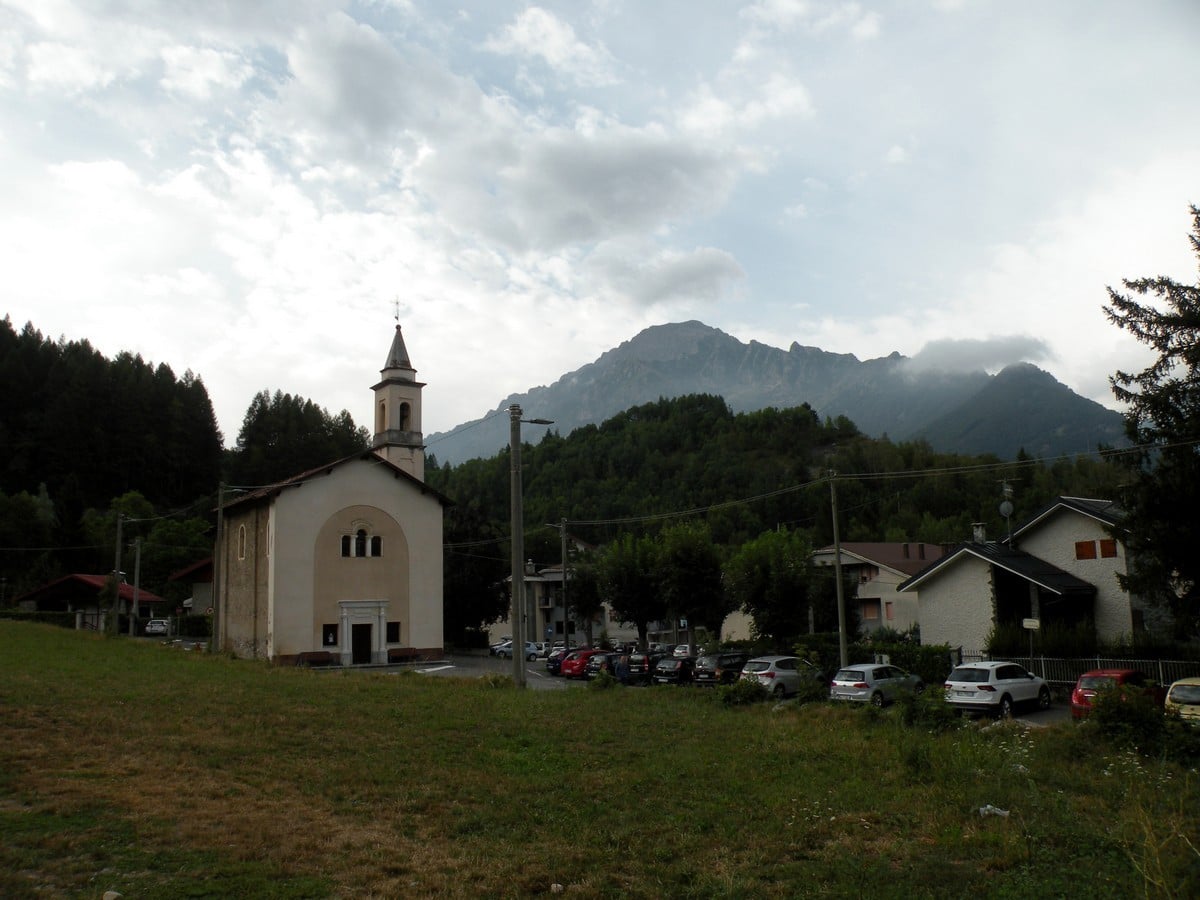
x=273 y=490
x=398 y=354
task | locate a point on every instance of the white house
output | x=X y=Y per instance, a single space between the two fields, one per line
x=341 y=564
x=1059 y=567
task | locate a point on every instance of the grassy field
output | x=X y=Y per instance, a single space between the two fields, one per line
x=131 y=766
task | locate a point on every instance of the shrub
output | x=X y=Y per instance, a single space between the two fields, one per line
x=1130 y=719
x=811 y=691
x=928 y=710
x=742 y=692
x=602 y=682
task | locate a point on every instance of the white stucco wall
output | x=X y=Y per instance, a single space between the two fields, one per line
x=299 y=514
x=956 y=608
x=1054 y=541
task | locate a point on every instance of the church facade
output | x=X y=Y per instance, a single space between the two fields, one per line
x=342 y=564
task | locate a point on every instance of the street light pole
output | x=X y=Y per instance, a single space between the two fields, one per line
x=518 y=540
x=518 y=544
x=837 y=568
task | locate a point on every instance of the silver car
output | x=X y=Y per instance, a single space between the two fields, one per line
x=781 y=675
x=873 y=683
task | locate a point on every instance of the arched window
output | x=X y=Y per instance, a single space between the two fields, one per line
x=241 y=542
x=362 y=544
x=381 y=417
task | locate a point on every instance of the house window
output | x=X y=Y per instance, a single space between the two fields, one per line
x=1085 y=549
x=329 y=637
x=1108 y=548
x=241 y=542
x=393 y=632
x=887 y=611
x=870 y=610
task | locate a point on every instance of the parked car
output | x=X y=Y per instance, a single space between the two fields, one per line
x=873 y=683
x=158 y=626
x=575 y=662
x=781 y=675
x=681 y=650
x=719 y=668
x=995 y=687
x=601 y=662
x=674 y=670
x=498 y=644
x=641 y=667
x=554 y=660
x=1183 y=699
x=505 y=651
x=1093 y=682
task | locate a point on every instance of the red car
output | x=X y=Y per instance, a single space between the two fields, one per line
x=576 y=661
x=1091 y=683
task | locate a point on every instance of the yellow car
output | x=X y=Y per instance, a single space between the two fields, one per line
x=1183 y=698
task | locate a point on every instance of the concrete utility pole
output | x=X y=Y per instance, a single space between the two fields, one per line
x=562 y=536
x=115 y=627
x=137 y=580
x=518 y=544
x=844 y=653
x=217 y=598
x=518 y=540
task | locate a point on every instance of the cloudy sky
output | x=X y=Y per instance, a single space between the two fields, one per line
x=246 y=188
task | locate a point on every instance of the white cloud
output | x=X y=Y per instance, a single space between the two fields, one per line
x=539 y=34
x=196 y=71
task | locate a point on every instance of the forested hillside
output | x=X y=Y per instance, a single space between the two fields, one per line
x=84 y=438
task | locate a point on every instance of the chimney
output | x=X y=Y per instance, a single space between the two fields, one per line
x=979 y=530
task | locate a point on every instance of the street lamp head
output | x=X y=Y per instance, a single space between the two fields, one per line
x=538 y=421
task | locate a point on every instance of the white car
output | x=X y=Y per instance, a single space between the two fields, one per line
x=157 y=626
x=995 y=687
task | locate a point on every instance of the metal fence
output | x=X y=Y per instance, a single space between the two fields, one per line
x=1065 y=672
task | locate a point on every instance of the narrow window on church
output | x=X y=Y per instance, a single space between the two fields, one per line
x=241 y=542
x=404 y=416
x=381 y=418
x=393 y=632
x=329 y=635
x=346 y=545
x=360 y=543
x=377 y=546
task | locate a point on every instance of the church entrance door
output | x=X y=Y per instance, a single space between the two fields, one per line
x=360 y=644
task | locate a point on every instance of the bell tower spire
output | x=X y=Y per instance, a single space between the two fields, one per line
x=398 y=437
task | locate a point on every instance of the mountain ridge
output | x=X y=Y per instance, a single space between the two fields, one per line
x=1020 y=408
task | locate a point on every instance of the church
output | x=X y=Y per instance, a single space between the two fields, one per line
x=340 y=565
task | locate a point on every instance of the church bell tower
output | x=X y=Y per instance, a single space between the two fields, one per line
x=398 y=436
